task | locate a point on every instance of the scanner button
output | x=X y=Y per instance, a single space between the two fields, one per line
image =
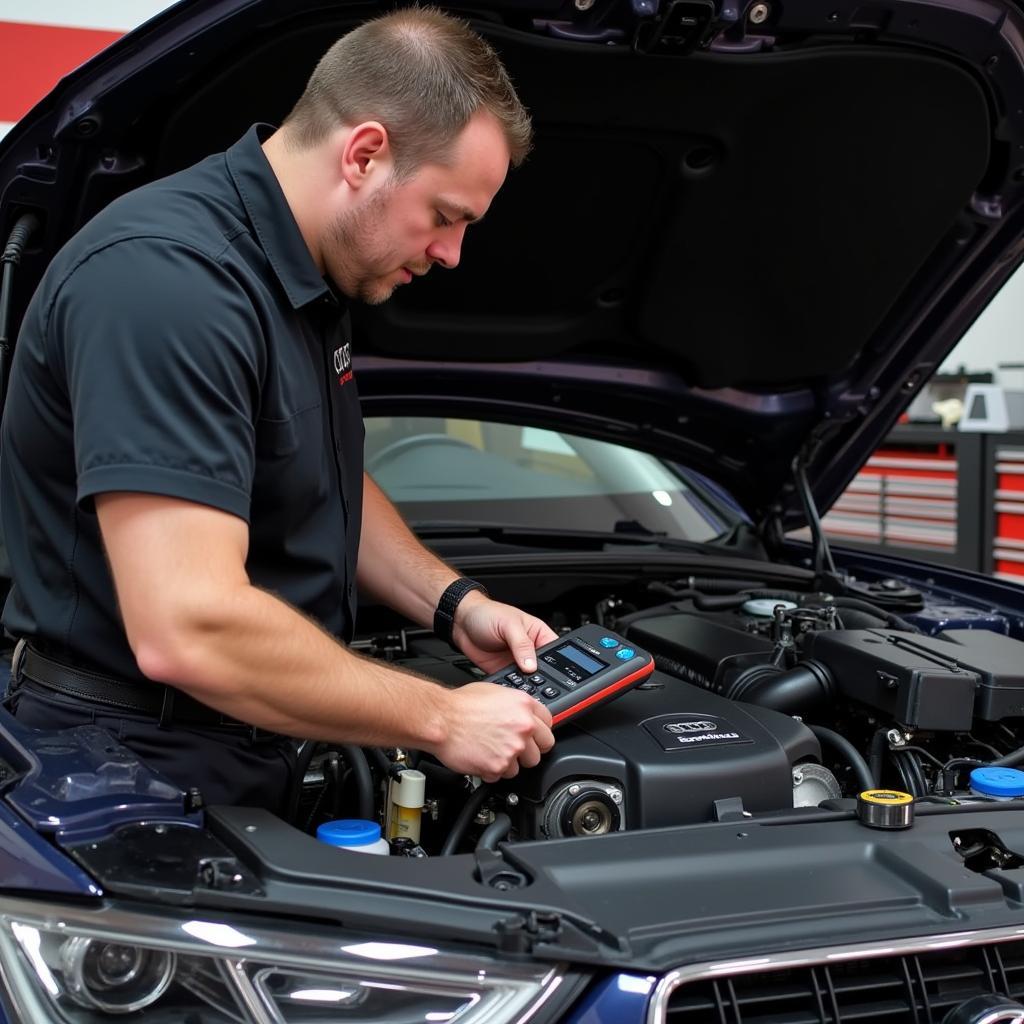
x=609 y=642
x=528 y=688
x=537 y=679
x=515 y=678
x=625 y=653
x=551 y=692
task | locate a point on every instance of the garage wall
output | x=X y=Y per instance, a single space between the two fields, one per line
x=41 y=40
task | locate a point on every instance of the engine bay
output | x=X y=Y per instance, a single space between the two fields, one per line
x=764 y=700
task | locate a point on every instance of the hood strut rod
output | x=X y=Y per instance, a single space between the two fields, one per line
x=22 y=231
x=822 y=553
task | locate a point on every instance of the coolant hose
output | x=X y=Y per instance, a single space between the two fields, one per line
x=841 y=745
x=495 y=832
x=356 y=759
x=466 y=815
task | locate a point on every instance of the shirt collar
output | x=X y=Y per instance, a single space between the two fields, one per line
x=273 y=221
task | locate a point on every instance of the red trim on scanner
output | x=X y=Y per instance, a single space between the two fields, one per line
x=640 y=673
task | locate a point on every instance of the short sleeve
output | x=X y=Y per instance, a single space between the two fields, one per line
x=163 y=355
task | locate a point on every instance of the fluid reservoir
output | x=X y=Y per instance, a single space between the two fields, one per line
x=998 y=783
x=407 y=794
x=356 y=834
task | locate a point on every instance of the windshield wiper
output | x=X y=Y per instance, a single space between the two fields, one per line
x=628 y=532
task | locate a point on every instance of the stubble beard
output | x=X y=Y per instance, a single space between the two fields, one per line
x=355 y=264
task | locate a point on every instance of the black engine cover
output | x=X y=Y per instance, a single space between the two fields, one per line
x=674 y=749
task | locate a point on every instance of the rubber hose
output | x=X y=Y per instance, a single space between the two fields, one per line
x=23 y=229
x=807 y=683
x=379 y=759
x=841 y=745
x=495 y=832
x=1010 y=759
x=333 y=766
x=856 y=604
x=356 y=758
x=876 y=755
x=916 y=772
x=303 y=755
x=466 y=815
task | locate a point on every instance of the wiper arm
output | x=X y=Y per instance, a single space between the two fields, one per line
x=634 y=534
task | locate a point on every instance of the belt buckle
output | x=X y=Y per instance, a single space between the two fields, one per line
x=16 y=659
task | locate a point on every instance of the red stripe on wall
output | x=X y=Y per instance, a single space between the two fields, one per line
x=36 y=57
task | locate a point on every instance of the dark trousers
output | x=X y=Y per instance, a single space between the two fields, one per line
x=226 y=764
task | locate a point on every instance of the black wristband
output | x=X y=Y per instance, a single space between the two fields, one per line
x=444 y=616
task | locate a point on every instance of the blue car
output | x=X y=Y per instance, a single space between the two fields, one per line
x=747 y=236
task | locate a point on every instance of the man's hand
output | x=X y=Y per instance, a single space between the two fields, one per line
x=492 y=730
x=492 y=634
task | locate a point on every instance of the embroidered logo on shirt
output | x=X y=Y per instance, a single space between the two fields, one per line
x=343 y=363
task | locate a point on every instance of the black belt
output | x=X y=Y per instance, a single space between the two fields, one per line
x=164 y=703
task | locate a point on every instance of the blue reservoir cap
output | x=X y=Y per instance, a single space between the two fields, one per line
x=357 y=831
x=1004 y=782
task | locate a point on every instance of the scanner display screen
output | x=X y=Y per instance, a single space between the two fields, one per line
x=573 y=662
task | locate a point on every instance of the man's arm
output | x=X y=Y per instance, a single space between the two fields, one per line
x=394 y=567
x=195 y=621
x=397 y=570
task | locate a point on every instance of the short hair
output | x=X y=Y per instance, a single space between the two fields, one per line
x=422 y=74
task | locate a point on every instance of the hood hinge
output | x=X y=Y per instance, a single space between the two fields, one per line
x=682 y=26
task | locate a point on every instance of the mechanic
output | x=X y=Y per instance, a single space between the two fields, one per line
x=182 y=485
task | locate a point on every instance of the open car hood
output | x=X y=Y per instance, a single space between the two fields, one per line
x=747 y=234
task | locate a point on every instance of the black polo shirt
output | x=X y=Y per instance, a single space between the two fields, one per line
x=183 y=343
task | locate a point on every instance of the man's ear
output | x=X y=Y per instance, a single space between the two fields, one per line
x=367 y=149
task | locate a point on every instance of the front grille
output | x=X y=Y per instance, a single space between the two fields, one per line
x=919 y=988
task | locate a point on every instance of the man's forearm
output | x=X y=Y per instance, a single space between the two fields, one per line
x=394 y=566
x=256 y=658
x=195 y=621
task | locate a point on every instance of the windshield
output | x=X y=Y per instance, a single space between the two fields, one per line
x=468 y=471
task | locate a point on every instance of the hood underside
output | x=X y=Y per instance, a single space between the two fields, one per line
x=717 y=255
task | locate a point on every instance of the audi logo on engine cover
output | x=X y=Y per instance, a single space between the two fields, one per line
x=680 y=727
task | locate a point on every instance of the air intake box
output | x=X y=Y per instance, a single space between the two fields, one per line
x=920 y=681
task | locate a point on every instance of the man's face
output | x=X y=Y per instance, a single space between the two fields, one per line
x=403 y=228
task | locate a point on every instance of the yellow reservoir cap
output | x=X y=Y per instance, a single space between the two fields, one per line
x=885 y=808
x=889 y=797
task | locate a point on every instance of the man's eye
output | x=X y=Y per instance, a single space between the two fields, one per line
x=442 y=220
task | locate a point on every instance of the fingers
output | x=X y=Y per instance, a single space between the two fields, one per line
x=542 y=633
x=520 y=645
x=495 y=732
x=530 y=755
x=542 y=712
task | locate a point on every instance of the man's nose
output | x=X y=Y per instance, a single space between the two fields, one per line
x=447 y=250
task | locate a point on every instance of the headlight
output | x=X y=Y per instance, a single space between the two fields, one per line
x=77 y=966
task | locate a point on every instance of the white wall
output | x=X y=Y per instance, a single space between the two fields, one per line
x=997 y=336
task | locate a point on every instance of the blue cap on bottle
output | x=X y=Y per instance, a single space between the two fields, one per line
x=350 y=832
x=1004 y=782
